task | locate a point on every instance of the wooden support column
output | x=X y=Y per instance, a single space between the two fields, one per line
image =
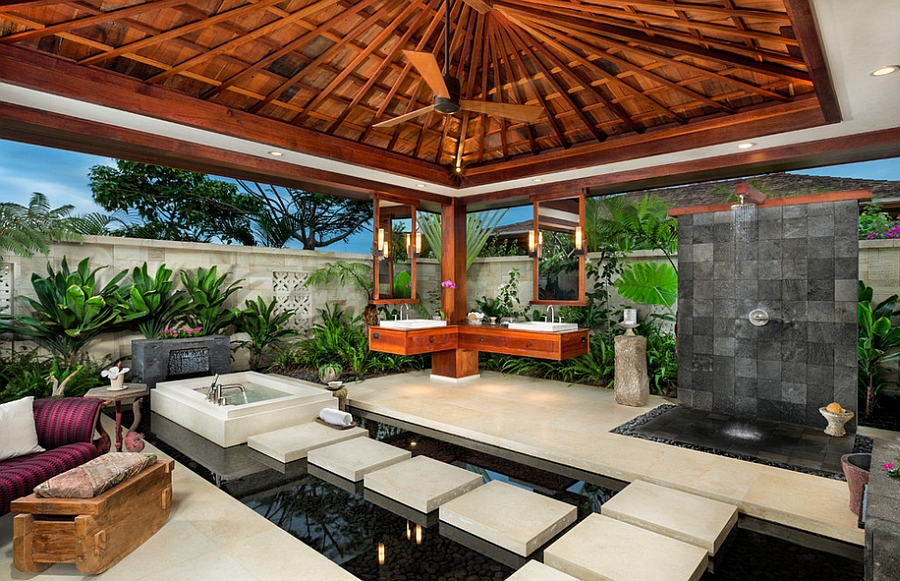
x=460 y=362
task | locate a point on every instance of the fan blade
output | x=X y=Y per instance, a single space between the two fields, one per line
x=404 y=117
x=526 y=113
x=427 y=66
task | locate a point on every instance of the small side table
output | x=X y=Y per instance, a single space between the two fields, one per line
x=131 y=391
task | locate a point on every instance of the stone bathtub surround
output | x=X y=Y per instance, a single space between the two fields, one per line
x=800 y=264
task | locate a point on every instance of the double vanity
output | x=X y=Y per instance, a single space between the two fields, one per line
x=539 y=339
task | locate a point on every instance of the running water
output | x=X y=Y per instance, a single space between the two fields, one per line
x=742 y=217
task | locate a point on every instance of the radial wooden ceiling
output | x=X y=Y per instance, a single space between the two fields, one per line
x=610 y=74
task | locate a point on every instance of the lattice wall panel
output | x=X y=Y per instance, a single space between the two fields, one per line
x=6 y=291
x=291 y=292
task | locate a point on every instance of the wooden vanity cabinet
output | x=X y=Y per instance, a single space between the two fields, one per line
x=543 y=345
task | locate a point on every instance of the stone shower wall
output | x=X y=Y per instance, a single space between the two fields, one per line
x=800 y=264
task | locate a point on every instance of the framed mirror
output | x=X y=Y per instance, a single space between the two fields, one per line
x=557 y=244
x=396 y=244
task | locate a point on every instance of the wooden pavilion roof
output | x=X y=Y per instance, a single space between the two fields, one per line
x=616 y=79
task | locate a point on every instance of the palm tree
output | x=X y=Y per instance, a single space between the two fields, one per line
x=28 y=230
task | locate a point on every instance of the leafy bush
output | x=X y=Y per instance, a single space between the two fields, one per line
x=208 y=310
x=70 y=309
x=152 y=298
x=339 y=339
x=662 y=363
x=874 y=223
x=878 y=343
x=29 y=373
x=263 y=325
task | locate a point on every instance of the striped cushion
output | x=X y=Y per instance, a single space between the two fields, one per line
x=65 y=420
x=19 y=476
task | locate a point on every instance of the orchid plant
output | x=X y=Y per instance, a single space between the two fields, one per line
x=115 y=371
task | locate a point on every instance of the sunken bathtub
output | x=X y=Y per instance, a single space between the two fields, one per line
x=273 y=402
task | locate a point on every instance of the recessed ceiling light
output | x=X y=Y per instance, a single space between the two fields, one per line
x=885 y=70
x=275 y=153
x=458 y=169
x=420 y=185
x=746 y=145
x=537 y=180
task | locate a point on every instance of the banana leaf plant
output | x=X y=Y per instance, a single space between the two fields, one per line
x=649 y=283
x=878 y=342
x=69 y=309
x=153 y=299
x=208 y=297
x=263 y=325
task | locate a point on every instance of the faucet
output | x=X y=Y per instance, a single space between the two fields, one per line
x=403 y=307
x=215 y=390
x=550 y=308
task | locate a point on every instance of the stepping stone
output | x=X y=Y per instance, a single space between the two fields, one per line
x=603 y=549
x=289 y=444
x=422 y=483
x=537 y=571
x=508 y=516
x=353 y=459
x=683 y=516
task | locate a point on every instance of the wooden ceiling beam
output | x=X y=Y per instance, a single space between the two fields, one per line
x=236 y=43
x=14 y=5
x=289 y=48
x=323 y=58
x=585 y=31
x=176 y=32
x=764 y=15
x=467 y=56
x=382 y=37
x=386 y=62
x=491 y=34
x=574 y=107
x=614 y=17
x=611 y=78
x=585 y=84
x=508 y=48
x=804 y=27
x=94 y=20
x=734 y=55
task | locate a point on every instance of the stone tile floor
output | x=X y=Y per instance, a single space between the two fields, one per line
x=211 y=536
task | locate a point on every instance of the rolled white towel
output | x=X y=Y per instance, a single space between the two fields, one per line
x=335 y=417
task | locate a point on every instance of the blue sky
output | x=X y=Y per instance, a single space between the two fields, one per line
x=62 y=177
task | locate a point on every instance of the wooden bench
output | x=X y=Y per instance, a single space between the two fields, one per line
x=94 y=533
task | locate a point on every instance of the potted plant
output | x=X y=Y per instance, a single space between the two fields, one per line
x=330 y=372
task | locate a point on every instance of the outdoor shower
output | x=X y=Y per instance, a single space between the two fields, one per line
x=743 y=213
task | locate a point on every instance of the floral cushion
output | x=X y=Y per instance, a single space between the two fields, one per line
x=95 y=477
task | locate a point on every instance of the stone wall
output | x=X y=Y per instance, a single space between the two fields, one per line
x=798 y=263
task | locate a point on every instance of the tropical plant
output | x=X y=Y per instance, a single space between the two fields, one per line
x=357 y=274
x=628 y=226
x=208 y=297
x=479 y=228
x=506 y=303
x=100 y=224
x=264 y=326
x=878 y=343
x=649 y=283
x=662 y=362
x=29 y=373
x=25 y=231
x=874 y=223
x=597 y=366
x=339 y=339
x=70 y=309
x=152 y=298
x=287 y=357
x=330 y=372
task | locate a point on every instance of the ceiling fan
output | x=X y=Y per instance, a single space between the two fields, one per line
x=446 y=89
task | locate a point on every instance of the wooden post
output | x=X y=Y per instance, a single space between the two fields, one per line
x=460 y=362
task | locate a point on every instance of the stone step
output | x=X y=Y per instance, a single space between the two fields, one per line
x=537 y=571
x=422 y=483
x=603 y=549
x=353 y=459
x=510 y=517
x=289 y=444
x=700 y=521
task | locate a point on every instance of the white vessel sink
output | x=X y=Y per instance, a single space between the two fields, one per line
x=412 y=324
x=543 y=326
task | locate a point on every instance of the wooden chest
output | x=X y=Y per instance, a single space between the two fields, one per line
x=94 y=533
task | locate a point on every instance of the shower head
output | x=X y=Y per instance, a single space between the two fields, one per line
x=752 y=194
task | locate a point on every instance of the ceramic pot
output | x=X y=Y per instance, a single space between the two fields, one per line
x=118 y=383
x=856 y=469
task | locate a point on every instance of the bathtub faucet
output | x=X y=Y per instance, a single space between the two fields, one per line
x=216 y=391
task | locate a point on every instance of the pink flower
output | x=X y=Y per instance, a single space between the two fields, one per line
x=448 y=284
x=888 y=466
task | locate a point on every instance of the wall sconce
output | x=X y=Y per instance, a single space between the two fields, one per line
x=535 y=243
x=381 y=553
x=380 y=242
x=418 y=534
x=386 y=250
x=408 y=531
x=579 y=240
x=414 y=250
